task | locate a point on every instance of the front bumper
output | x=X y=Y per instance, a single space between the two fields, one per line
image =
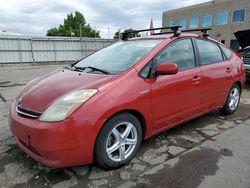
x=56 y=144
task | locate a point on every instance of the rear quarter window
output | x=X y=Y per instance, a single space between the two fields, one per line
x=227 y=52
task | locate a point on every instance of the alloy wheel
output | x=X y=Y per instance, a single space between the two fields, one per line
x=234 y=99
x=121 y=141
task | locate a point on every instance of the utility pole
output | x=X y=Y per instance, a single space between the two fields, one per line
x=120 y=34
x=80 y=31
x=108 y=31
x=95 y=31
x=82 y=51
x=95 y=38
x=71 y=33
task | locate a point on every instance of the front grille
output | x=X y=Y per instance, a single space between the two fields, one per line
x=246 y=59
x=27 y=113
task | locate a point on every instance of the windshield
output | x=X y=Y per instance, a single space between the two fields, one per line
x=120 y=56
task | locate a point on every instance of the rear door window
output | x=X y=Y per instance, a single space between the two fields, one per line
x=180 y=52
x=209 y=52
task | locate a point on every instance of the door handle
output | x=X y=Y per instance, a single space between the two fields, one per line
x=229 y=69
x=196 y=79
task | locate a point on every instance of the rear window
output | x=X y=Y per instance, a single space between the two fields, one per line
x=227 y=52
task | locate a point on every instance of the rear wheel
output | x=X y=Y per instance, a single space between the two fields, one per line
x=118 y=141
x=233 y=101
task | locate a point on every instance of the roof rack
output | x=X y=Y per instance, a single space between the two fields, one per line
x=203 y=30
x=174 y=29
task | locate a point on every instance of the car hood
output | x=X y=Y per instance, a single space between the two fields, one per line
x=41 y=92
x=243 y=38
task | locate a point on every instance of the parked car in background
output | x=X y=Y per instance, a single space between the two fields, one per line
x=102 y=107
x=243 y=38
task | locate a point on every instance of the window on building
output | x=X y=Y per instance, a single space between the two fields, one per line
x=234 y=44
x=221 y=18
x=206 y=21
x=193 y=22
x=171 y=23
x=182 y=23
x=180 y=52
x=209 y=52
x=239 y=16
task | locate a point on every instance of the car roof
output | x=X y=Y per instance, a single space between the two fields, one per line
x=171 y=36
x=165 y=36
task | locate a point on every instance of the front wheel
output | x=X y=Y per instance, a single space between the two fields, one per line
x=118 y=141
x=233 y=101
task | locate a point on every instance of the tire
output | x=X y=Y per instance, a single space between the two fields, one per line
x=233 y=100
x=118 y=141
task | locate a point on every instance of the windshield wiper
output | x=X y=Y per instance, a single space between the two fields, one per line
x=69 y=67
x=93 y=68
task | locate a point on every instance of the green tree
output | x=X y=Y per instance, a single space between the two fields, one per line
x=131 y=33
x=117 y=34
x=74 y=25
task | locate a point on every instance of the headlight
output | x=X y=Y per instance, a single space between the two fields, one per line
x=67 y=104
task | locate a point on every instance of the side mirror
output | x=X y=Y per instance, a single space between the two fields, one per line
x=167 y=68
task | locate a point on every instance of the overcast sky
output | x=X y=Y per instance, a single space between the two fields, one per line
x=30 y=17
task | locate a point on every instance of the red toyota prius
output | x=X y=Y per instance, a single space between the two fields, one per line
x=102 y=107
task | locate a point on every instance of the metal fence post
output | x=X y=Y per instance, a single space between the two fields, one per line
x=32 y=52
x=82 y=51
x=54 y=44
x=19 y=51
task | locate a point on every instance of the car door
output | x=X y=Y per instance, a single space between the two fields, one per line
x=216 y=74
x=176 y=97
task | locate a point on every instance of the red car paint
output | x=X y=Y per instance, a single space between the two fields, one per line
x=160 y=102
